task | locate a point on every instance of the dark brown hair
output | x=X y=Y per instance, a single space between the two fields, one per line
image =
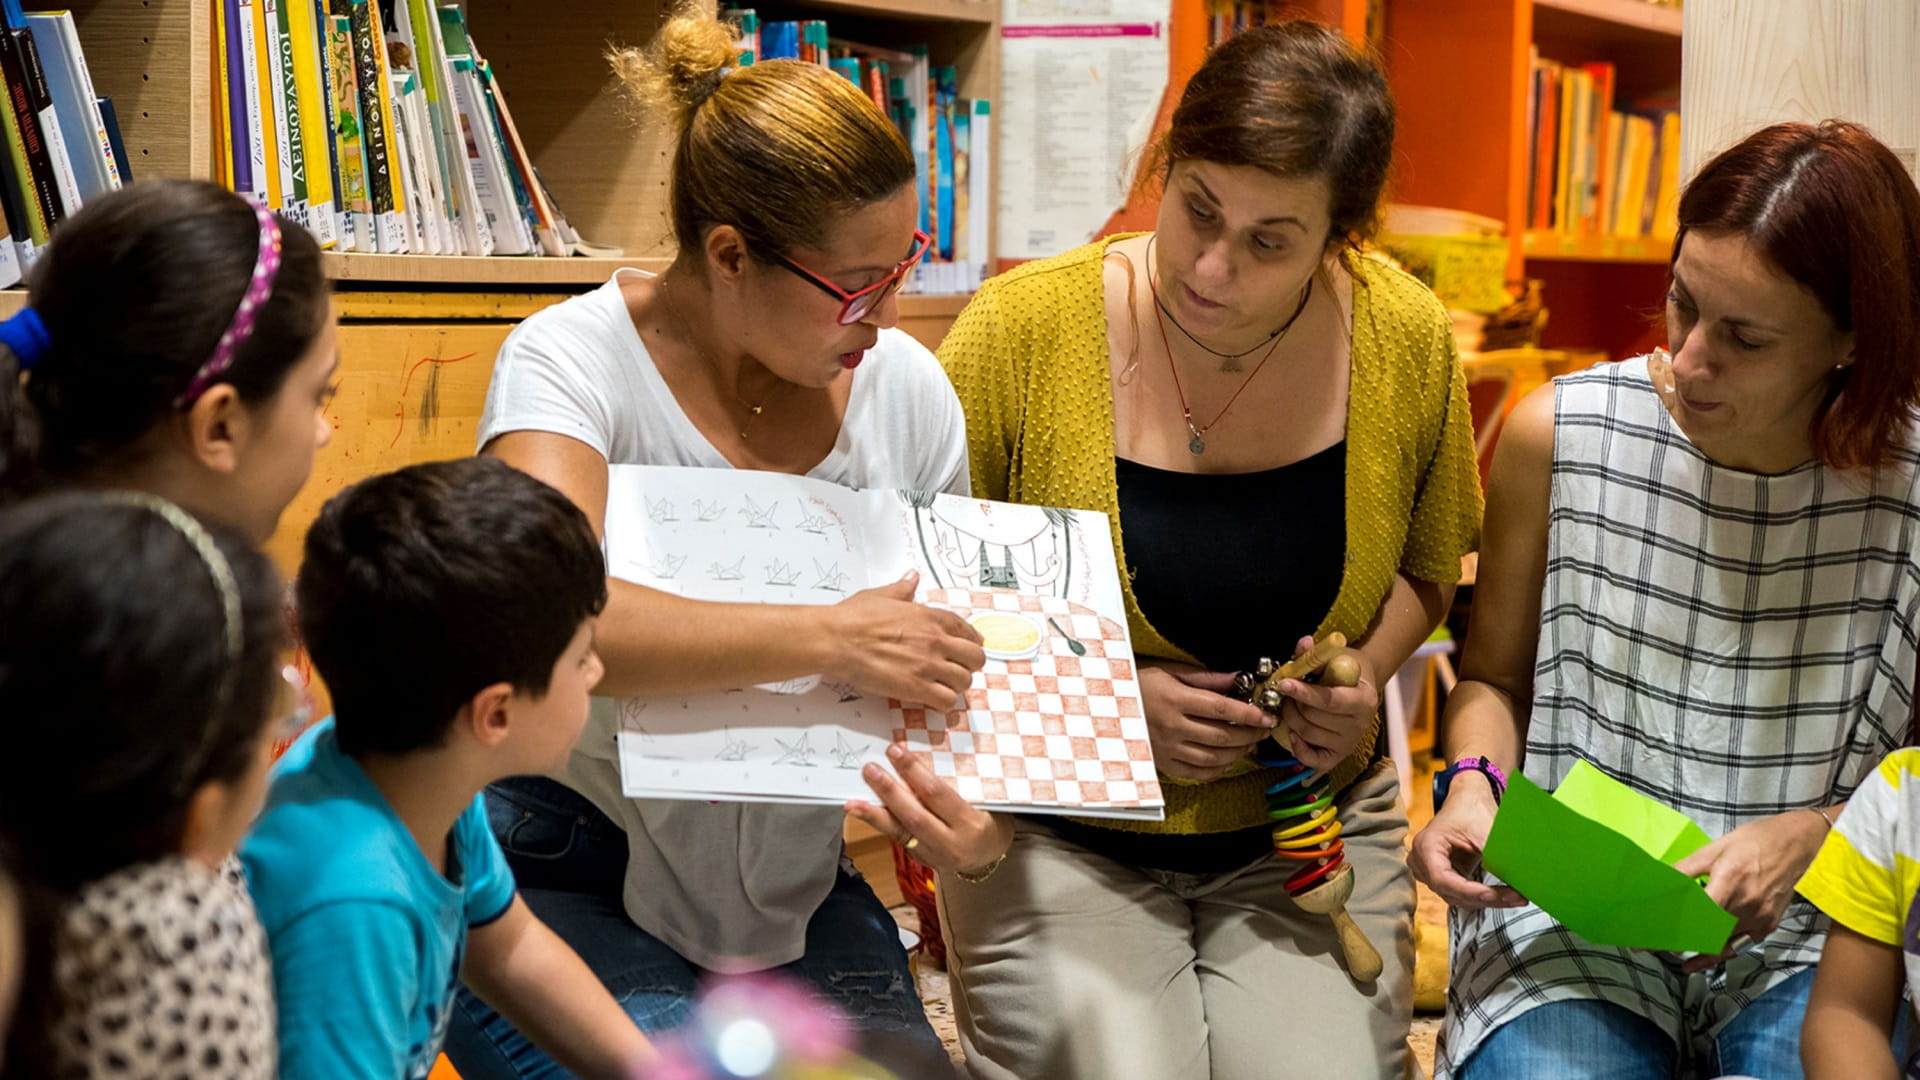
x=422 y=587
x=776 y=149
x=1833 y=209
x=119 y=697
x=1295 y=99
x=135 y=291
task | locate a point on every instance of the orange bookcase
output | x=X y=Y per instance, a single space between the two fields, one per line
x=1460 y=71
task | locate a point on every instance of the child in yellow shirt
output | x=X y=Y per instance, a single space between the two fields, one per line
x=1866 y=878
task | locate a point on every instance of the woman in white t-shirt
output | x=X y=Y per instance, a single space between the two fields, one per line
x=768 y=344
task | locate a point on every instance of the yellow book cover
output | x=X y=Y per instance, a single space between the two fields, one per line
x=263 y=40
x=321 y=216
x=1565 y=182
x=222 y=108
x=1639 y=159
x=1666 y=210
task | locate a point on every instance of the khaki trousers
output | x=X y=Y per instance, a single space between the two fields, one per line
x=1068 y=965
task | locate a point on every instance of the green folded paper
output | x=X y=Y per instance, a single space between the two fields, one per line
x=1598 y=856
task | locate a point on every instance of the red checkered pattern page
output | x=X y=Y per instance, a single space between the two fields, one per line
x=1059 y=731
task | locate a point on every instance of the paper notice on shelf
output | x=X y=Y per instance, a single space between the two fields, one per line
x=1080 y=83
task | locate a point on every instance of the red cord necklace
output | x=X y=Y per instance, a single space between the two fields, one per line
x=1198 y=444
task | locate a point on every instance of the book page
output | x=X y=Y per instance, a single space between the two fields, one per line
x=1053 y=724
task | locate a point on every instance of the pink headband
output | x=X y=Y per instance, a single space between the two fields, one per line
x=265 y=267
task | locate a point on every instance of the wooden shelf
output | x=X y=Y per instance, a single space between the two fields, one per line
x=1606 y=18
x=1554 y=247
x=527 y=271
x=428 y=273
x=982 y=12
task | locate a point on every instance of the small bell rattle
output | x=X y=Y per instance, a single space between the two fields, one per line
x=1306 y=821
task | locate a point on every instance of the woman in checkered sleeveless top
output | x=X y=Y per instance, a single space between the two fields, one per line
x=1700 y=575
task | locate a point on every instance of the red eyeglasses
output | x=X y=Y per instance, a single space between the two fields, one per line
x=855 y=306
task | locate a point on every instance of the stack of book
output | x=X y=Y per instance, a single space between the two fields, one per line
x=62 y=140
x=951 y=137
x=378 y=126
x=1594 y=169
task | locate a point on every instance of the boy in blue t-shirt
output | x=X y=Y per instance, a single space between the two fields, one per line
x=450 y=609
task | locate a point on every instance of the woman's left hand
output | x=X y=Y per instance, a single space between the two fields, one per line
x=923 y=813
x=1326 y=723
x=1751 y=872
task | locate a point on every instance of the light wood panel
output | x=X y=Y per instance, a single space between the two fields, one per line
x=1750 y=63
x=408 y=394
x=152 y=58
x=361 y=268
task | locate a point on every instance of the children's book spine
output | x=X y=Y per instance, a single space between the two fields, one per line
x=308 y=118
x=376 y=117
x=980 y=192
x=267 y=84
x=217 y=68
x=463 y=198
x=946 y=82
x=287 y=127
x=343 y=84
x=27 y=220
x=16 y=247
x=64 y=181
x=56 y=40
x=417 y=218
x=19 y=205
x=249 y=160
x=322 y=24
x=23 y=126
x=111 y=121
x=542 y=220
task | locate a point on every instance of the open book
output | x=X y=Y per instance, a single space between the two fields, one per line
x=1054 y=723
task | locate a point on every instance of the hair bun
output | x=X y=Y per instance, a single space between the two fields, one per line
x=683 y=65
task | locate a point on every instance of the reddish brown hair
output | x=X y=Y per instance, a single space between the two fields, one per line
x=1833 y=209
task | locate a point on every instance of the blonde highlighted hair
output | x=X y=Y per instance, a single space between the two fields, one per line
x=776 y=149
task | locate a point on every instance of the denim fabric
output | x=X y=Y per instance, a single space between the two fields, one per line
x=1572 y=1039
x=570 y=861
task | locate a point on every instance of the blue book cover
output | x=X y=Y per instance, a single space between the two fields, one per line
x=780 y=41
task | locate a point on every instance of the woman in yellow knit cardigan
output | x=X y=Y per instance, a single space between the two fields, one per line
x=1277 y=426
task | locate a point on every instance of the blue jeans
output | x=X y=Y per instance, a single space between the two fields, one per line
x=570 y=862
x=1569 y=1039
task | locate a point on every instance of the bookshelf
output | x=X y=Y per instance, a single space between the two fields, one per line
x=1461 y=72
x=1545 y=246
x=153 y=57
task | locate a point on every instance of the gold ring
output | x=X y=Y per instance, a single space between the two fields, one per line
x=912 y=842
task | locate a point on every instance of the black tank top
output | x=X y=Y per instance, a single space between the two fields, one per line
x=1230 y=567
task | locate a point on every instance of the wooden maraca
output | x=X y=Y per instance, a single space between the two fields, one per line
x=1307 y=825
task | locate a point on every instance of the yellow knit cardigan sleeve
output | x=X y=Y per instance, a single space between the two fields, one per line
x=1029 y=361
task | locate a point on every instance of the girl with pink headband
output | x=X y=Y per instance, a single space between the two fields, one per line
x=177 y=340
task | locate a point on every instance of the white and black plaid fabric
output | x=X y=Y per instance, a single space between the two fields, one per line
x=1730 y=644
